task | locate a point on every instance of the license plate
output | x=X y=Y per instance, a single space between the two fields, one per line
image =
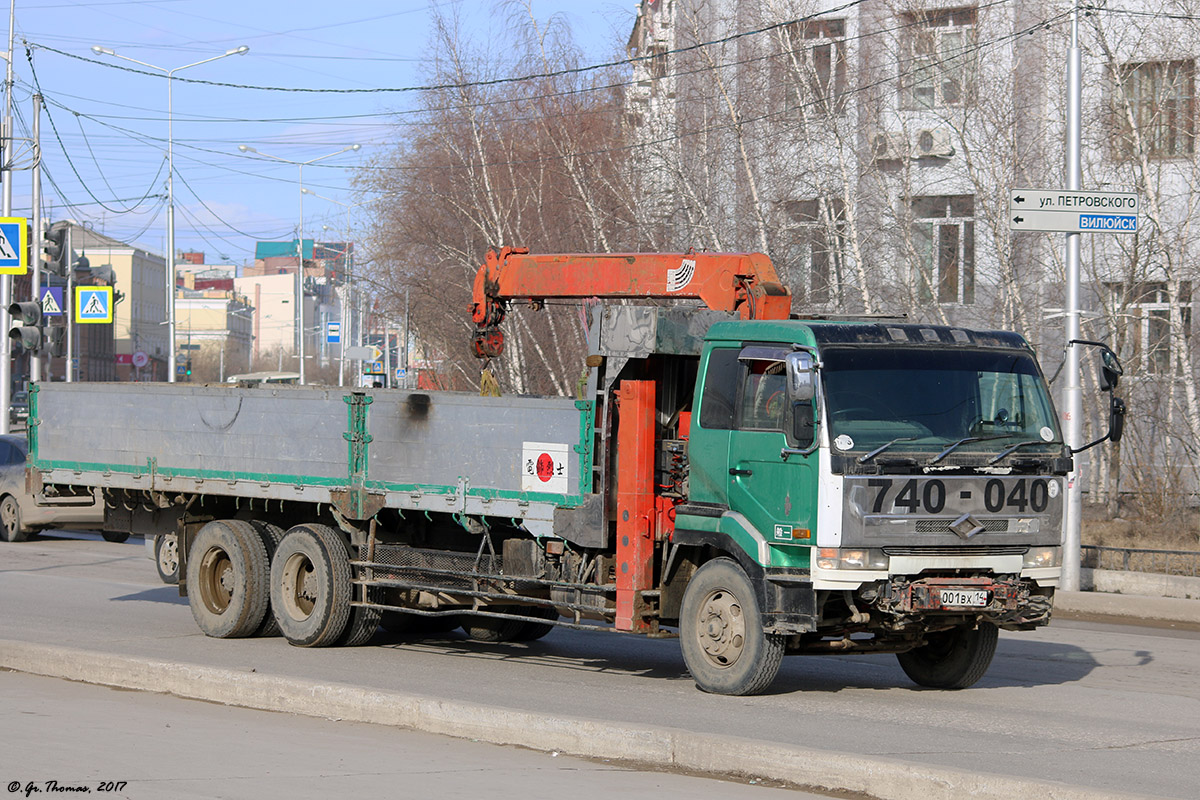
x=972 y=598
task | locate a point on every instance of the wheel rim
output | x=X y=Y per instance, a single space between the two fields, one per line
x=721 y=628
x=8 y=516
x=168 y=556
x=299 y=586
x=217 y=580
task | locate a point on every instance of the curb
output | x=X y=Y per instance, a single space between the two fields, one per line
x=1129 y=606
x=670 y=748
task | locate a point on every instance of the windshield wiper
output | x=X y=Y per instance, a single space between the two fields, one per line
x=868 y=456
x=961 y=442
x=1016 y=447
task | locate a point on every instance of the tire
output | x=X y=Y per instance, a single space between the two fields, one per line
x=271 y=536
x=532 y=631
x=310 y=586
x=10 y=520
x=721 y=634
x=492 y=629
x=364 y=622
x=166 y=557
x=116 y=537
x=226 y=589
x=398 y=622
x=953 y=659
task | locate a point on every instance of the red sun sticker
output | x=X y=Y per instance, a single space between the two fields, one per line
x=545 y=467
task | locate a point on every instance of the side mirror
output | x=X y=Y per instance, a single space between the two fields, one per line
x=1110 y=370
x=801 y=376
x=1116 y=419
x=804 y=428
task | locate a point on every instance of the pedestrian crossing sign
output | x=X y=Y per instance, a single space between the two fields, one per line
x=52 y=301
x=93 y=304
x=14 y=245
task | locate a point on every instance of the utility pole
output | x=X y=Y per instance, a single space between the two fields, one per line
x=1073 y=391
x=35 y=248
x=6 y=164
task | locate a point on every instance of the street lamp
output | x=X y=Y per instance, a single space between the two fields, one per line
x=245 y=148
x=170 y=73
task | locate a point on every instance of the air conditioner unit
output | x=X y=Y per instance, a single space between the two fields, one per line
x=888 y=146
x=933 y=143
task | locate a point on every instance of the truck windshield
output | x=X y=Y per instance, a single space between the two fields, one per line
x=909 y=400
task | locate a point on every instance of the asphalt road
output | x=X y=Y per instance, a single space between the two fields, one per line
x=155 y=747
x=1109 y=707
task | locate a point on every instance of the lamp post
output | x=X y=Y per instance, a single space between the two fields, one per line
x=245 y=148
x=170 y=293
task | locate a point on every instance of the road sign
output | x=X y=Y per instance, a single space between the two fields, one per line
x=52 y=301
x=363 y=353
x=1072 y=212
x=14 y=245
x=189 y=347
x=374 y=368
x=140 y=359
x=400 y=372
x=93 y=304
x=333 y=333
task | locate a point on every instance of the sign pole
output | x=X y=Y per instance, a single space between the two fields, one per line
x=1073 y=392
x=35 y=248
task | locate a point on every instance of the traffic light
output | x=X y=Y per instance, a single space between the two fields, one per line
x=56 y=336
x=187 y=368
x=28 y=331
x=54 y=245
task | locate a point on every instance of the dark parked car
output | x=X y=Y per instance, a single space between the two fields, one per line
x=18 y=410
x=22 y=514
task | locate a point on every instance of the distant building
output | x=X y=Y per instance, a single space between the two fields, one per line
x=139 y=316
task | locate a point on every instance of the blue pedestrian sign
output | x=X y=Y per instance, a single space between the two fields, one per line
x=93 y=304
x=333 y=332
x=14 y=245
x=52 y=301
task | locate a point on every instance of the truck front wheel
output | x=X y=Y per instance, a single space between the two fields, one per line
x=721 y=634
x=953 y=659
x=310 y=586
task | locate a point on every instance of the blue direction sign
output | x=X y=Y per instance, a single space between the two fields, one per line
x=52 y=301
x=93 y=304
x=333 y=332
x=1073 y=211
x=14 y=245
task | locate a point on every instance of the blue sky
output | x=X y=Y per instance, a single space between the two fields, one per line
x=104 y=137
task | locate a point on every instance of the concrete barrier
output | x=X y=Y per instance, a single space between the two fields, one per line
x=659 y=747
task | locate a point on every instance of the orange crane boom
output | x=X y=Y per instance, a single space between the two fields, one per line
x=742 y=283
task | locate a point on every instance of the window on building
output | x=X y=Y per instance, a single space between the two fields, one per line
x=815 y=248
x=658 y=67
x=937 y=69
x=1146 y=341
x=811 y=69
x=943 y=238
x=1160 y=98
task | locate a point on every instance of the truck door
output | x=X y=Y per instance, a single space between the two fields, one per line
x=776 y=496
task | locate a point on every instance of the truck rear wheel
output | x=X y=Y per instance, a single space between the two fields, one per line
x=227 y=589
x=721 y=634
x=532 y=631
x=310 y=586
x=492 y=629
x=953 y=659
x=271 y=536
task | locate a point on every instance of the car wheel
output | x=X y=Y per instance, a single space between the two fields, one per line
x=166 y=557
x=115 y=536
x=10 y=520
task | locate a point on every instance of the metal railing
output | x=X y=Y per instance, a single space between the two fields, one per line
x=1129 y=559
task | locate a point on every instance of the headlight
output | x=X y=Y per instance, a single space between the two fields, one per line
x=851 y=558
x=1042 y=557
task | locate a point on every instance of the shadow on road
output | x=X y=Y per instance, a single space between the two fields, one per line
x=163 y=594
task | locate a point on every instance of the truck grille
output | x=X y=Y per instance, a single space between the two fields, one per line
x=943 y=525
x=963 y=550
